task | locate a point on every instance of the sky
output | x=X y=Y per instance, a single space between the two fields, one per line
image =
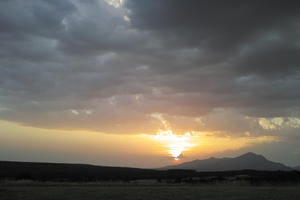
x=146 y=83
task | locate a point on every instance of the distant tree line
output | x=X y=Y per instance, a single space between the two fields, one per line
x=78 y=173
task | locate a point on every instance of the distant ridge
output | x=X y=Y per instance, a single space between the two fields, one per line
x=263 y=170
x=297 y=168
x=246 y=161
x=70 y=172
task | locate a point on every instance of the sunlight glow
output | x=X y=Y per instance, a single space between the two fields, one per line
x=176 y=144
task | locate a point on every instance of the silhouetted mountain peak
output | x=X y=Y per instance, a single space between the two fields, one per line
x=248 y=160
x=251 y=155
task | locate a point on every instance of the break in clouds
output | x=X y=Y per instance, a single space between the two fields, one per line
x=228 y=67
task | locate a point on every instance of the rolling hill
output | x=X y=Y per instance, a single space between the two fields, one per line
x=62 y=171
x=81 y=172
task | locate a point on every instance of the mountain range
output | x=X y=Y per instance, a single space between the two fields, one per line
x=246 y=161
x=249 y=163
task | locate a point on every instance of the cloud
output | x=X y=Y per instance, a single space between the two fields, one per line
x=202 y=65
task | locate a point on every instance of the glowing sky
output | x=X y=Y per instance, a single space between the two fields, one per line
x=147 y=83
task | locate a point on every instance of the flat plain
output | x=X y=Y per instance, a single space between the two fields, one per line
x=210 y=192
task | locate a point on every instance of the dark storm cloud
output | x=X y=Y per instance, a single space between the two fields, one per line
x=248 y=50
x=83 y=65
x=215 y=24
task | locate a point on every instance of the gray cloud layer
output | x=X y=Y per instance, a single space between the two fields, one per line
x=81 y=65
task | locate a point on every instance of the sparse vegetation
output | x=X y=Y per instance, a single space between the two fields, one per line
x=126 y=191
x=24 y=181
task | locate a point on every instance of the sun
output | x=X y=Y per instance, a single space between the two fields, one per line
x=175 y=144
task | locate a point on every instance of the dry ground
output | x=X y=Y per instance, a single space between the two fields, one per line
x=61 y=192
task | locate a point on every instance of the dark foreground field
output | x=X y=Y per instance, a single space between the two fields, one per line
x=174 y=192
x=43 y=181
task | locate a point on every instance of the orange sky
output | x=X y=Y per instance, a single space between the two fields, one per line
x=36 y=144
